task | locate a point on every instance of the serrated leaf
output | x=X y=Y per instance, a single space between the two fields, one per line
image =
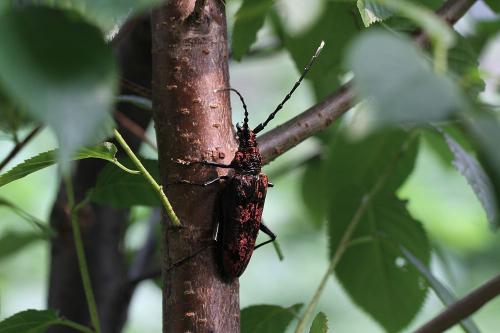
x=29 y=321
x=69 y=88
x=104 y=13
x=267 y=318
x=12 y=242
x=248 y=21
x=337 y=26
x=105 y=151
x=36 y=321
x=484 y=128
x=372 y=270
x=477 y=179
x=119 y=189
x=46 y=231
x=444 y=294
x=319 y=324
x=398 y=68
x=372 y=12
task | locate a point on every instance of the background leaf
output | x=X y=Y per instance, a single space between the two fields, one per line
x=372 y=12
x=267 y=318
x=104 y=13
x=493 y=4
x=11 y=242
x=39 y=224
x=105 y=151
x=29 y=321
x=444 y=294
x=397 y=68
x=248 y=21
x=477 y=179
x=120 y=189
x=69 y=88
x=372 y=269
x=319 y=324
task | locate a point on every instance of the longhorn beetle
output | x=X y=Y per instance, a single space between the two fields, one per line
x=242 y=199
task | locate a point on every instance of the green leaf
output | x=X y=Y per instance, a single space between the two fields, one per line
x=267 y=318
x=12 y=242
x=337 y=26
x=39 y=224
x=104 y=13
x=119 y=189
x=29 y=321
x=105 y=151
x=444 y=294
x=66 y=82
x=248 y=21
x=314 y=195
x=463 y=61
x=398 y=82
x=494 y=5
x=477 y=179
x=372 y=12
x=484 y=31
x=372 y=269
x=319 y=324
x=484 y=128
x=36 y=321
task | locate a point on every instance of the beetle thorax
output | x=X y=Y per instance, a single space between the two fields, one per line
x=247 y=159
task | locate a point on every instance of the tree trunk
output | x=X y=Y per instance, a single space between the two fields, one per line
x=102 y=227
x=193 y=122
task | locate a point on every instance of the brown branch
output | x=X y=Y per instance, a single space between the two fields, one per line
x=320 y=116
x=20 y=145
x=463 y=308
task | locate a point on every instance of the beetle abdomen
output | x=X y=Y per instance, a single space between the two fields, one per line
x=242 y=205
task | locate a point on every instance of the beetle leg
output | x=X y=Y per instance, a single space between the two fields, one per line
x=268 y=232
x=206 y=163
x=210 y=182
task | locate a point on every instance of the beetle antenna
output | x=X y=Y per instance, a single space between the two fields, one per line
x=261 y=126
x=245 y=120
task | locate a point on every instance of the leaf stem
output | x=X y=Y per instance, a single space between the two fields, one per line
x=158 y=188
x=76 y=326
x=80 y=253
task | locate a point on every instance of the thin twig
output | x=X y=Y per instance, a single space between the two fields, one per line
x=20 y=145
x=463 y=308
x=135 y=129
x=286 y=136
x=158 y=188
x=80 y=253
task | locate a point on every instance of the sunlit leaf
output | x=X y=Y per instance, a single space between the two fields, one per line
x=267 y=318
x=69 y=88
x=372 y=11
x=398 y=83
x=444 y=294
x=319 y=324
x=248 y=21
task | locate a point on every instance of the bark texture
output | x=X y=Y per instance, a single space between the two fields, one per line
x=193 y=122
x=102 y=227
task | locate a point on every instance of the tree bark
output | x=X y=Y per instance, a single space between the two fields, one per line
x=102 y=227
x=193 y=122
